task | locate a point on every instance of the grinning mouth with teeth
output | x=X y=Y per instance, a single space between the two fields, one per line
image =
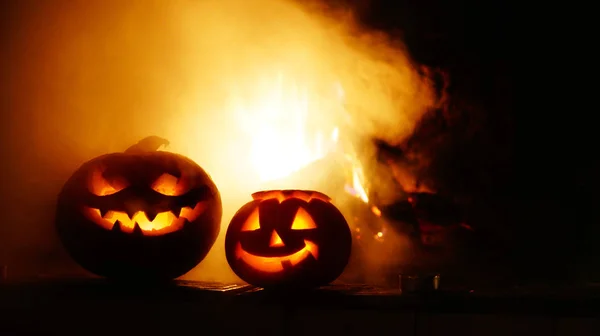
x=278 y=264
x=163 y=222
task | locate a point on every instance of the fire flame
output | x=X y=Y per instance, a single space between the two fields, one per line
x=357 y=186
x=276 y=120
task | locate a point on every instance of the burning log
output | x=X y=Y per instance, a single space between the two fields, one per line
x=434 y=208
x=437 y=216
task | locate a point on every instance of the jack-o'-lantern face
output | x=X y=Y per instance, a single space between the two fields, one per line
x=151 y=205
x=147 y=213
x=289 y=237
x=275 y=255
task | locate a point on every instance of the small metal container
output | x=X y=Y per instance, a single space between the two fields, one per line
x=436 y=282
x=412 y=283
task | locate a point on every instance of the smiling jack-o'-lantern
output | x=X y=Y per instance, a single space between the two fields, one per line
x=151 y=214
x=288 y=238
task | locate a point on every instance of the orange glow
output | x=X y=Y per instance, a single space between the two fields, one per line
x=299 y=194
x=376 y=211
x=303 y=221
x=166 y=184
x=169 y=185
x=276 y=240
x=99 y=186
x=275 y=264
x=165 y=222
x=275 y=114
x=250 y=90
x=379 y=236
x=253 y=222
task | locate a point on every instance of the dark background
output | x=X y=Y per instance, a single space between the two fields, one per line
x=528 y=165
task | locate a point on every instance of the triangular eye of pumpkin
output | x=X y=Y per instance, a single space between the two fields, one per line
x=303 y=221
x=253 y=222
x=99 y=185
x=166 y=184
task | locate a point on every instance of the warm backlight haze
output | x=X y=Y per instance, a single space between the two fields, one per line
x=252 y=90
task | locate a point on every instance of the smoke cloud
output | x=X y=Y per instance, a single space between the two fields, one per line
x=90 y=77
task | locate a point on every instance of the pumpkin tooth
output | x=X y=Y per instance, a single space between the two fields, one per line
x=117 y=226
x=103 y=212
x=151 y=215
x=137 y=230
x=131 y=213
x=176 y=212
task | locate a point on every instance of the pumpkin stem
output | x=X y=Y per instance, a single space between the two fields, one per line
x=148 y=144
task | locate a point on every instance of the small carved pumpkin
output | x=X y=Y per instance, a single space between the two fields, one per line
x=288 y=238
x=151 y=214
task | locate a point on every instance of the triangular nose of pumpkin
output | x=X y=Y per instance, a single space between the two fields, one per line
x=276 y=240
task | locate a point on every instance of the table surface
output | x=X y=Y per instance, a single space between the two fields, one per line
x=97 y=307
x=563 y=302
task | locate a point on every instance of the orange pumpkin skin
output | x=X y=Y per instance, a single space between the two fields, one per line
x=112 y=235
x=288 y=239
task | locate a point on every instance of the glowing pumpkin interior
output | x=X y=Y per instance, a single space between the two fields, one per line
x=283 y=195
x=160 y=224
x=302 y=221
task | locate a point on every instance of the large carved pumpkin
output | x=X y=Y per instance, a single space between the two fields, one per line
x=288 y=238
x=143 y=213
